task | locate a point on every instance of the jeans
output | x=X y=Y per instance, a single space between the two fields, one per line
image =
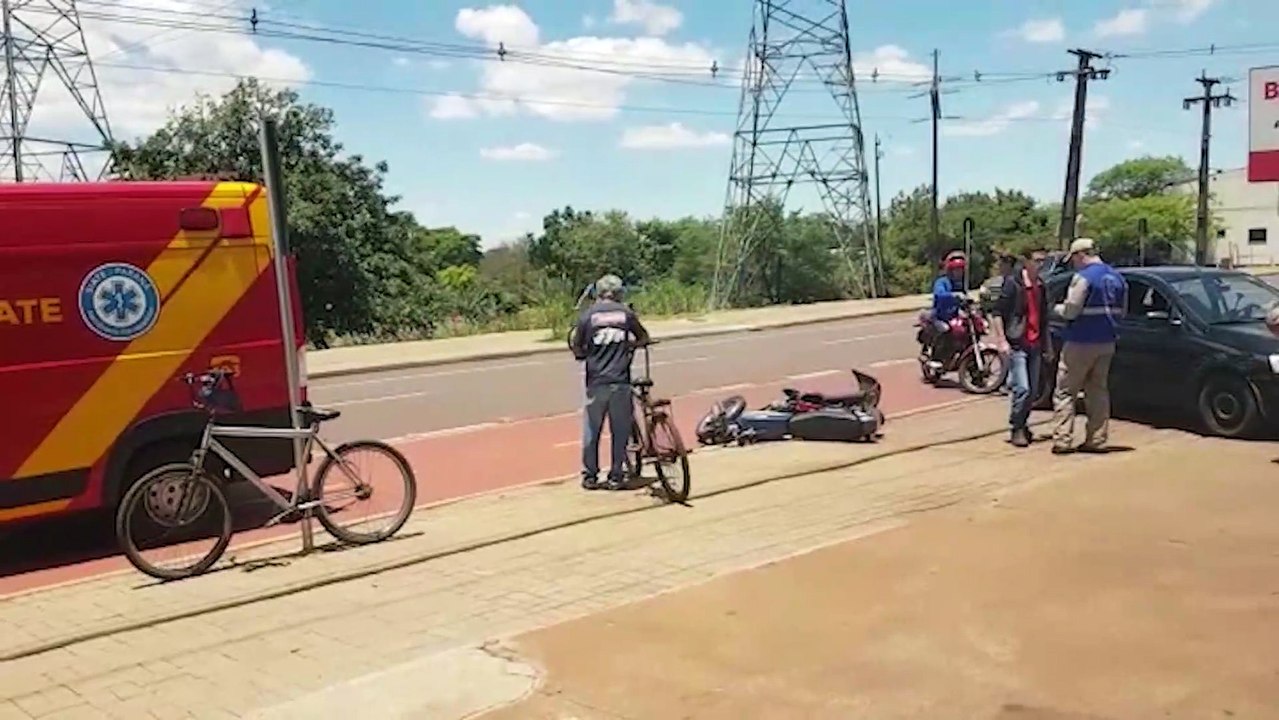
x=611 y=401
x=1023 y=384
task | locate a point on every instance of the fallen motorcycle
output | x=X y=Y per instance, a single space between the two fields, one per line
x=801 y=415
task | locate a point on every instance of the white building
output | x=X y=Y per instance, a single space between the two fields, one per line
x=1248 y=217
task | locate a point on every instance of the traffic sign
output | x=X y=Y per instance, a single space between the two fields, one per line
x=1263 y=124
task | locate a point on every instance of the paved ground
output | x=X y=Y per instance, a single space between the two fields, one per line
x=449 y=419
x=1142 y=587
x=274 y=629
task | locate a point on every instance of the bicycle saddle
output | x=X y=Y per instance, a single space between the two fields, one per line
x=314 y=415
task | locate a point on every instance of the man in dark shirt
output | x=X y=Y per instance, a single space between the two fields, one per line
x=1021 y=324
x=605 y=339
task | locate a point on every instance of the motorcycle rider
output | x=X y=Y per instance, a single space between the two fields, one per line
x=605 y=339
x=948 y=290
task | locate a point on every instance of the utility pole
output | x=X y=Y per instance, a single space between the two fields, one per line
x=1209 y=101
x=1070 y=200
x=879 y=217
x=934 y=95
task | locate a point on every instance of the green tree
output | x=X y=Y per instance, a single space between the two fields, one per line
x=1170 y=223
x=358 y=270
x=1139 y=177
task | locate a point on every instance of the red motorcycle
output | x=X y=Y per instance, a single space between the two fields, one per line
x=981 y=367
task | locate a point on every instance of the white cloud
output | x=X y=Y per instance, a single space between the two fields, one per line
x=655 y=19
x=1048 y=30
x=1186 y=11
x=995 y=124
x=524 y=152
x=498 y=24
x=401 y=62
x=1093 y=111
x=1132 y=21
x=552 y=89
x=439 y=64
x=890 y=62
x=453 y=107
x=138 y=102
x=667 y=137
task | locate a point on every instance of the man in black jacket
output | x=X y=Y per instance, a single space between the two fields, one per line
x=1021 y=324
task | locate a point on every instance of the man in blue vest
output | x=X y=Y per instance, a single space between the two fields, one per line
x=1094 y=304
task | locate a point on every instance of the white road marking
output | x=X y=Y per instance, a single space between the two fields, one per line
x=891 y=363
x=723 y=389
x=435 y=374
x=811 y=375
x=380 y=398
x=863 y=338
x=446 y=432
x=682 y=361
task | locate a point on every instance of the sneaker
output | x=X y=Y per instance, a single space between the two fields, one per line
x=590 y=483
x=1021 y=438
x=1062 y=450
x=615 y=484
x=934 y=365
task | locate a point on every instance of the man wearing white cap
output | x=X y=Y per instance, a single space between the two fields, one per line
x=1094 y=303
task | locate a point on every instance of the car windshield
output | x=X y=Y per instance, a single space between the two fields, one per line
x=1227 y=299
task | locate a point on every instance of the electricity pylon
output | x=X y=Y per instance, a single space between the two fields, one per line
x=45 y=66
x=790 y=40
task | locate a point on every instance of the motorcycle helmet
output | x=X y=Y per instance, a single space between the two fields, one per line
x=955 y=263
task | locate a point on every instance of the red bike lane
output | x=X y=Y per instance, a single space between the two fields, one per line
x=487 y=458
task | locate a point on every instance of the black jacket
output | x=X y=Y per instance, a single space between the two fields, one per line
x=1011 y=308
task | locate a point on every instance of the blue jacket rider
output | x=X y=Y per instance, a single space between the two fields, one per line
x=948 y=289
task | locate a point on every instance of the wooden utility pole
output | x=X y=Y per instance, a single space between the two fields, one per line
x=934 y=94
x=1208 y=100
x=1070 y=199
x=879 y=218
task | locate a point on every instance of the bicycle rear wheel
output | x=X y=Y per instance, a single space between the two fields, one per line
x=371 y=482
x=184 y=509
x=672 y=460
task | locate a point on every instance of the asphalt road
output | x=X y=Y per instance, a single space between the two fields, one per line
x=407 y=402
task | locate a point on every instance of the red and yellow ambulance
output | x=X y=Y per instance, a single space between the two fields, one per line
x=108 y=292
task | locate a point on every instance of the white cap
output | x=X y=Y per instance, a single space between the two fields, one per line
x=1082 y=245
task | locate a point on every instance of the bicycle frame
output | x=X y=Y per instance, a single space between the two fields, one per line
x=309 y=437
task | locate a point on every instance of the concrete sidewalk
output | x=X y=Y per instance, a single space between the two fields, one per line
x=1145 y=585
x=282 y=633
x=391 y=356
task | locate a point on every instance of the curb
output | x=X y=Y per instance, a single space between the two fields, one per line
x=551 y=346
x=39 y=648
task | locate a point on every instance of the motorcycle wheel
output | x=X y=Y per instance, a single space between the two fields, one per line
x=987 y=381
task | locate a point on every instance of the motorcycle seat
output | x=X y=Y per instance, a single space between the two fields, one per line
x=854 y=398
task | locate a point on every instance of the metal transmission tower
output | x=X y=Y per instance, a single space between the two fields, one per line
x=795 y=40
x=45 y=59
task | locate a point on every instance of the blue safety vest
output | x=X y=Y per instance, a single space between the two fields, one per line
x=1104 y=306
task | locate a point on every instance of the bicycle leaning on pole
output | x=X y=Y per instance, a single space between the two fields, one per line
x=187 y=505
x=654 y=437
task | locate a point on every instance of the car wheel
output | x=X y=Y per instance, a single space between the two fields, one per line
x=1227 y=406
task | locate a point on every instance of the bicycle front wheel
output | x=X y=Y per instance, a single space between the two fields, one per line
x=366 y=492
x=672 y=460
x=174 y=522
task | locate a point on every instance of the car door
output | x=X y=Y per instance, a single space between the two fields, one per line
x=1151 y=353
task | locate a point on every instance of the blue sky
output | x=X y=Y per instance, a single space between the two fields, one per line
x=608 y=140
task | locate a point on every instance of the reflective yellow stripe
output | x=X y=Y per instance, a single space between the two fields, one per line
x=207 y=294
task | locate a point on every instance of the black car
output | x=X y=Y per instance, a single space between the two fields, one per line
x=1193 y=339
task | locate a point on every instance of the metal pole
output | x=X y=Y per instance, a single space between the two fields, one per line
x=969 y=224
x=11 y=89
x=280 y=249
x=879 y=217
x=1142 y=230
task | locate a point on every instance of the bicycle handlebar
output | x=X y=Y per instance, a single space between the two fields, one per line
x=213 y=390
